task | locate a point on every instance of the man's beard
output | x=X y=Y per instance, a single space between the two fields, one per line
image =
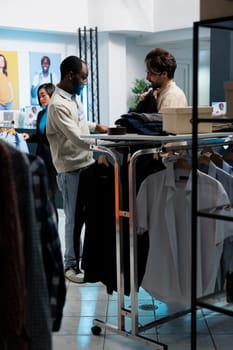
x=156 y=86
x=77 y=87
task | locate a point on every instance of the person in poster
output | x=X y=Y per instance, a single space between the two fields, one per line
x=42 y=77
x=6 y=89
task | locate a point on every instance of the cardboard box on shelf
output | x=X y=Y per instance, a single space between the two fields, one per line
x=228 y=87
x=211 y=9
x=179 y=120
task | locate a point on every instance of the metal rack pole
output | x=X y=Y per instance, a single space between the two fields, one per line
x=194 y=190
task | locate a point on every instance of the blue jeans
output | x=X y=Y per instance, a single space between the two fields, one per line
x=9 y=105
x=68 y=185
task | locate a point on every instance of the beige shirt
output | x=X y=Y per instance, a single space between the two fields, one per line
x=65 y=123
x=171 y=96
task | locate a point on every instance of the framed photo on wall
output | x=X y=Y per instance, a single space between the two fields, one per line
x=44 y=68
x=9 y=80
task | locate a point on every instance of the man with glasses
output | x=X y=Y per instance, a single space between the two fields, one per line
x=160 y=69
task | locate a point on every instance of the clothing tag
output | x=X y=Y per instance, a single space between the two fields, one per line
x=183 y=177
x=181 y=174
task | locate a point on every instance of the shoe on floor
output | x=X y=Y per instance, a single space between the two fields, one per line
x=73 y=275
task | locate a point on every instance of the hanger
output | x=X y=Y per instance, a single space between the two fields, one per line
x=207 y=151
x=212 y=155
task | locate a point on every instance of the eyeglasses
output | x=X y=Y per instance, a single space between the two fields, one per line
x=153 y=73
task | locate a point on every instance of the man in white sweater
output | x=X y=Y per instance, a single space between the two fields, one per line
x=160 y=69
x=70 y=154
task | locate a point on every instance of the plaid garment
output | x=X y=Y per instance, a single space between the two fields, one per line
x=51 y=246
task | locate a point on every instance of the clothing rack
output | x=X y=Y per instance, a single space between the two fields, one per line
x=158 y=144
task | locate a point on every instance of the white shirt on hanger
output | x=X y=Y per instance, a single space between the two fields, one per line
x=164 y=209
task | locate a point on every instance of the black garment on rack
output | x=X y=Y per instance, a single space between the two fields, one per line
x=37 y=303
x=96 y=208
x=145 y=166
x=148 y=105
x=142 y=240
x=43 y=151
x=142 y=123
x=13 y=327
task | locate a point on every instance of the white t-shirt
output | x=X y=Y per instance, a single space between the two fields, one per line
x=39 y=79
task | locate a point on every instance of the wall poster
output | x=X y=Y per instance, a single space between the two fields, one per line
x=9 y=80
x=44 y=68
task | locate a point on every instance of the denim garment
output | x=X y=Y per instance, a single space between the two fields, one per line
x=68 y=185
x=8 y=106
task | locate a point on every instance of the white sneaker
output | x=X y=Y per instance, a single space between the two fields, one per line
x=73 y=276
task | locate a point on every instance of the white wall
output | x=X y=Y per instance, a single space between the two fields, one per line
x=117 y=15
x=49 y=15
x=104 y=77
x=175 y=14
x=122 y=15
x=25 y=41
x=135 y=65
x=204 y=78
x=121 y=60
x=113 y=76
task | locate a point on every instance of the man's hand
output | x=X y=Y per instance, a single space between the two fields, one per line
x=101 y=128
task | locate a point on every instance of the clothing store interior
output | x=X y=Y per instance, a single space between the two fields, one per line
x=144 y=258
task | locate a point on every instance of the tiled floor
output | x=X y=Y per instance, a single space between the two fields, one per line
x=88 y=302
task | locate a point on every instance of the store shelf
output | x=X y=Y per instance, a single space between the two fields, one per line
x=216 y=302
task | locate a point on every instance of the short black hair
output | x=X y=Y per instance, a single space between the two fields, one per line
x=71 y=64
x=45 y=58
x=49 y=87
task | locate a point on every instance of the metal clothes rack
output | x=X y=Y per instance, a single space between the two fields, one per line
x=123 y=311
x=159 y=144
x=224 y=24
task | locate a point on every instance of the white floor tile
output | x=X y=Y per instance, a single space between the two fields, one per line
x=90 y=301
x=116 y=342
x=223 y=342
x=183 y=341
x=83 y=342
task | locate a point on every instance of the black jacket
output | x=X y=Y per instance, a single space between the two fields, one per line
x=148 y=105
x=43 y=151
